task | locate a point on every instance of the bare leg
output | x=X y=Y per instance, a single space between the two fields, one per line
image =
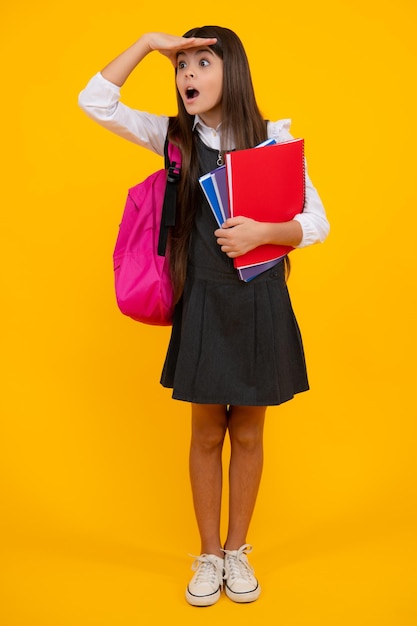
x=245 y=426
x=209 y=425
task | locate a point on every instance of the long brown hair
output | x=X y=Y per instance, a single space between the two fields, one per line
x=242 y=124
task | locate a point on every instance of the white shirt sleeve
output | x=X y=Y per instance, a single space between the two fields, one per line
x=101 y=101
x=313 y=220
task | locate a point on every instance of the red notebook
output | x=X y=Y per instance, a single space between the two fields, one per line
x=268 y=185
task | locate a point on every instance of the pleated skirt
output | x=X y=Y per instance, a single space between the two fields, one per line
x=235 y=343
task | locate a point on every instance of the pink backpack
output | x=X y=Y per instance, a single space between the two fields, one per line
x=141 y=269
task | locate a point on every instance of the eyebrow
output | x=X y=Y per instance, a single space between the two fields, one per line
x=199 y=50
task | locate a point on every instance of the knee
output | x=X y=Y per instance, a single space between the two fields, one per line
x=246 y=429
x=209 y=427
x=209 y=439
x=246 y=438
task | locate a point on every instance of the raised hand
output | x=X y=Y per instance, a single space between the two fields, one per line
x=119 y=69
x=170 y=45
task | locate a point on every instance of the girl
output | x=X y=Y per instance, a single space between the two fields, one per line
x=235 y=347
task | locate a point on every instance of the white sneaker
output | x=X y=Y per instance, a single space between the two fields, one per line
x=205 y=587
x=240 y=582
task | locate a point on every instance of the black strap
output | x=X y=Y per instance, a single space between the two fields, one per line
x=170 y=200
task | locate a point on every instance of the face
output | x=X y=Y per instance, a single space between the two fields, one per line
x=200 y=84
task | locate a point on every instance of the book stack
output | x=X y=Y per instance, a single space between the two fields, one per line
x=265 y=183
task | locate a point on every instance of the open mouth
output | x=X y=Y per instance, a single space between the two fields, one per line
x=191 y=93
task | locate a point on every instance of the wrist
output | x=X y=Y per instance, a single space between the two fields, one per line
x=283 y=233
x=264 y=233
x=142 y=46
x=145 y=43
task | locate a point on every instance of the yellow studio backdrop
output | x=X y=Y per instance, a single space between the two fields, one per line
x=97 y=517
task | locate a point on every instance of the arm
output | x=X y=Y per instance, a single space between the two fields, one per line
x=118 y=70
x=100 y=99
x=239 y=235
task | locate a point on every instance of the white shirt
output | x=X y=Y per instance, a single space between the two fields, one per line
x=101 y=101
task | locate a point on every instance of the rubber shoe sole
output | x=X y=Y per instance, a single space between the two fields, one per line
x=208 y=600
x=244 y=596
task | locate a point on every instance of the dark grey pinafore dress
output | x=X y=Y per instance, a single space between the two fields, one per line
x=232 y=342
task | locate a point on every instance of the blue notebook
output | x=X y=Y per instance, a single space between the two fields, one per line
x=207 y=186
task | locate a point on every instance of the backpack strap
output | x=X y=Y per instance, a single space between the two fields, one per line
x=172 y=156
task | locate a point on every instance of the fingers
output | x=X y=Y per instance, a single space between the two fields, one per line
x=226 y=244
x=196 y=42
x=163 y=42
x=171 y=45
x=236 y=221
x=237 y=236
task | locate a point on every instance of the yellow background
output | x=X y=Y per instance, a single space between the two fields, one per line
x=97 y=518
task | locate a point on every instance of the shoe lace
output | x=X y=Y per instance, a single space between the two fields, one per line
x=207 y=568
x=238 y=566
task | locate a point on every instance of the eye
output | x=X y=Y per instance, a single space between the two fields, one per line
x=181 y=65
x=204 y=63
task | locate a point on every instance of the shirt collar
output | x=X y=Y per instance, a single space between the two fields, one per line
x=198 y=121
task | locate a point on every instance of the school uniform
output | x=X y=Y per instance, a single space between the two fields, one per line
x=232 y=342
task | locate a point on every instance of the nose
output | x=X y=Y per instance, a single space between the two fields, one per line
x=190 y=73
